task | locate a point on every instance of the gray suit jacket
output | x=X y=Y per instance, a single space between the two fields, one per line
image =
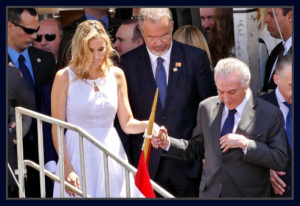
x=234 y=174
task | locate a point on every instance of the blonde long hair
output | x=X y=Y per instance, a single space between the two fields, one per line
x=191 y=35
x=81 y=56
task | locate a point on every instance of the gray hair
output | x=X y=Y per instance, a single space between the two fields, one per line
x=154 y=14
x=228 y=65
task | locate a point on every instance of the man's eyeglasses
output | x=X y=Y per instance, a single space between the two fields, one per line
x=27 y=30
x=163 y=38
x=48 y=37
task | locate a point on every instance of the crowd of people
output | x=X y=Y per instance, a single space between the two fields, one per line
x=100 y=72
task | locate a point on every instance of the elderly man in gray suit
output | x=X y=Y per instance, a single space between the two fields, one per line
x=240 y=136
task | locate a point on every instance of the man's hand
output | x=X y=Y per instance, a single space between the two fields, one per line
x=230 y=141
x=277 y=183
x=160 y=140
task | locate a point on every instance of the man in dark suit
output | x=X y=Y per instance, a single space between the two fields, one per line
x=102 y=14
x=183 y=76
x=284 y=17
x=282 y=98
x=38 y=69
x=240 y=135
x=19 y=93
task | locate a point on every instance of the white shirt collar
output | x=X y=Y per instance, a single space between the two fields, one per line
x=280 y=98
x=166 y=56
x=287 y=44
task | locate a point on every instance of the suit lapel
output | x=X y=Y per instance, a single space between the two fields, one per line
x=145 y=74
x=35 y=60
x=216 y=126
x=247 y=116
x=176 y=56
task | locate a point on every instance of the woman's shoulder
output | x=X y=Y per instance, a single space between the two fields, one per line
x=118 y=72
x=62 y=74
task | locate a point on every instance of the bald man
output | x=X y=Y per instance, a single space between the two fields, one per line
x=49 y=36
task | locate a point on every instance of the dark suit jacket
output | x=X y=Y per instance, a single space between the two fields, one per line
x=190 y=84
x=269 y=65
x=43 y=65
x=234 y=174
x=271 y=97
x=44 y=69
x=69 y=31
x=19 y=93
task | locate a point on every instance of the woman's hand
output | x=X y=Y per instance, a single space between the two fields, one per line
x=73 y=179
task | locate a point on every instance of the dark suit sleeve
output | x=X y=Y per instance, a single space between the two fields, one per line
x=20 y=90
x=188 y=150
x=205 y=80
x=273 y=153
x=20 y=94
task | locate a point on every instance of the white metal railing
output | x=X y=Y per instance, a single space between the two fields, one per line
x=61 y=125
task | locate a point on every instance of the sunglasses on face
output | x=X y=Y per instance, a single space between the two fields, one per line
x=27 y=30
x=48 y=37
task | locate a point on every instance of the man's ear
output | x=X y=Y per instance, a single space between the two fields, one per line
x=290 y=16
x=275 y=78
x=9 y=26
x=172 y=26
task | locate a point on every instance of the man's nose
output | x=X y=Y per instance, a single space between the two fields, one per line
x=116 y=44
x=205 y=23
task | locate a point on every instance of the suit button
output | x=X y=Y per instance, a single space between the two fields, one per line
x=164 y=117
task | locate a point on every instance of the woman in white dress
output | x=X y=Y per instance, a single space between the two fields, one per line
x=89 y=93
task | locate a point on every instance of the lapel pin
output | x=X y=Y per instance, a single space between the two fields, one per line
x=178 y=64
x=175 y=69
x=39 y=60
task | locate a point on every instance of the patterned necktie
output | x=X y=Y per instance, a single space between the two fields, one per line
x=288 y=123
x=229 y=122
x=25 y=72
x=161 y=80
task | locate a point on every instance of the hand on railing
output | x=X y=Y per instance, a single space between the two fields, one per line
x=72 y=178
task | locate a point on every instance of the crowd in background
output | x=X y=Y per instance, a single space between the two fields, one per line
x=191 y=42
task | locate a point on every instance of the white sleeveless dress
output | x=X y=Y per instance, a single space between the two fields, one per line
x=94 y=111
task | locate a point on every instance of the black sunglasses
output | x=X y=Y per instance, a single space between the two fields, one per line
x=27 y=30
x=48 y=37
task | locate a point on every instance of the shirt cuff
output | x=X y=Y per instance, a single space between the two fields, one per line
x=245 y=150
x=51 y=166
x=168 y=147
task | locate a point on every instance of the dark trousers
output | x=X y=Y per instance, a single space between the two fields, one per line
x=172 y=179
x=32 y=182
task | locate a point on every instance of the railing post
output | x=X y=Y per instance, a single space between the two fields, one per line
x=127 y=181
x=20 y=153
x=106 y=174
x=82 y=165
x=61 y=160
x=41 y=157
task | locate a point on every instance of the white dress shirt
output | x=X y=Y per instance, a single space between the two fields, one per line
x=166 y=56
x=238 y=114
x=280 y=99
